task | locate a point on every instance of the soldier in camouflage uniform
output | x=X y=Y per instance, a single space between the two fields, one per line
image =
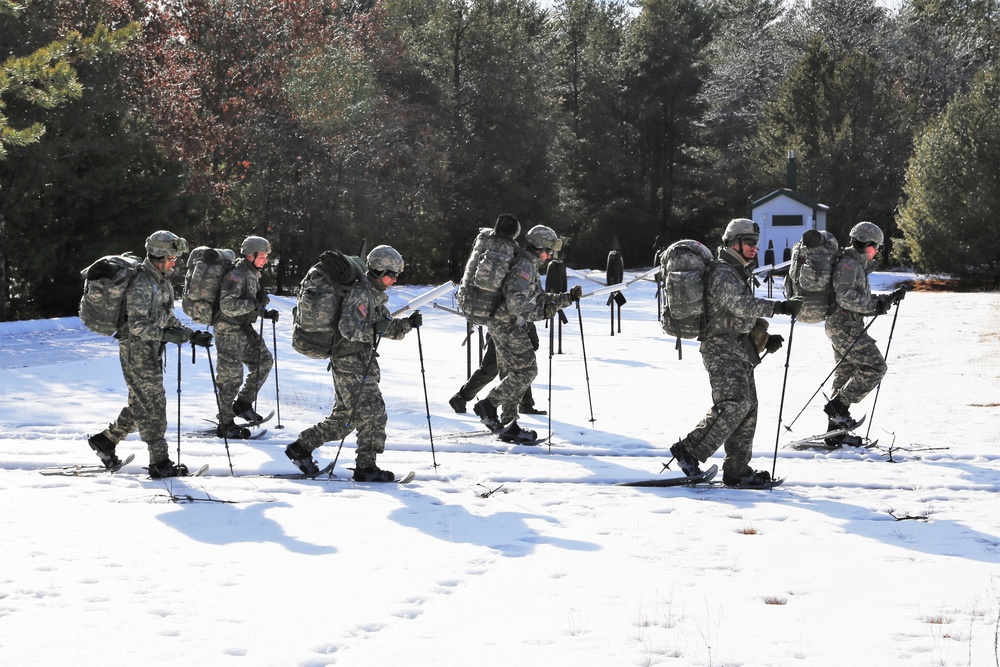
x=364 y=320
x=524 y=301
x=729 y=356
x=241 y=300
x=149 y=325
x=860 y=365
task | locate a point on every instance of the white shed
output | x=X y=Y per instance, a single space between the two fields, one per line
x=783 y=215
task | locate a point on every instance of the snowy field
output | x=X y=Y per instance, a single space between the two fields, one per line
x=505 y=555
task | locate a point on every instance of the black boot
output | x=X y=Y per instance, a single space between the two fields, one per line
x=302 y=458
x=373 y=474
x=755 y=479
x=167 y=468
x=517 y=435
x=487 y=413
x=232 y=431
x=530 y=410
x=105 y=450
x=245 y=410
x=457 y=403
x=688 y=463
x=840 y=415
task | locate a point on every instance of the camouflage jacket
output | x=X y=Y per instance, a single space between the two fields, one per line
x=362 y=307
x=850 y=284
x=238 y=294
x=524 y=299
x=149 y=303
x=730 y=305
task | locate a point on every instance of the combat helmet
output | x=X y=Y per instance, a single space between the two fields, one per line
x=163 y=244
x=540 y=237
x=384 y=259
x=255 y=244
x=740 y=228
x=866 y=233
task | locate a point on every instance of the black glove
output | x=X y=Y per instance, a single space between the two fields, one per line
x=381 y=326
x=176 y=335
x=882 y=304
x=532 y=335
x=262 y=299
x=774 y=343
x=792 y=307
x=416 y=319
x=269 y=314
x=576 y=293
x=898 y=294
x=201 y=338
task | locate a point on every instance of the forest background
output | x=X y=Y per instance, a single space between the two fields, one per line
x=321 y=124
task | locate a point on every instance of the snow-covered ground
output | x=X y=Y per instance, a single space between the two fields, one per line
x=505 y=555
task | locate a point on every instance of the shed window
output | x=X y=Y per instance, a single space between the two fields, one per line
x=786 y=221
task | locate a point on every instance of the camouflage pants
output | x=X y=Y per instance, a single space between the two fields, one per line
x=863 y=366
x=146 y=411
x=482 y=376
x=239 y=346
x=369 y=418
x=516 y=364
x=732 y=420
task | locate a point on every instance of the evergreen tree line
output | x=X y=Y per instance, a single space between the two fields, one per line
x=321 y=124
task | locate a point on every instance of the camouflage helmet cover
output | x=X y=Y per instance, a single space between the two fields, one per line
x=163 y=244
x=541 y=236
x=384 y=258
x=739 y=228
x=867 y=232
x=255 y=244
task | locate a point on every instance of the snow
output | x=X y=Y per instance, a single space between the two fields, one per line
x=508 y=555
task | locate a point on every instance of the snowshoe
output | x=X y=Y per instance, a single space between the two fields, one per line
x=167 y=468
x=487 y=413
x=457 y=403
x=245 y=410
x=232 y=431
x=688 y=463
x=105 y=450
x=373 y=474
x=755 y=479
x=302 y=458
x=517 y=435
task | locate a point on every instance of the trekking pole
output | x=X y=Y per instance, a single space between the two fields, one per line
x=277 y=387
x=260 y=343
x=218 y=404
x=552 y=342
x=586 y=372
x=427 y=404
x=836 y=366
x=781 y=405
x=178 y=403
x=871 y=415
x=357 y=398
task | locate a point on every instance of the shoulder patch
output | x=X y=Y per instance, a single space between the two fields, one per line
x=363 y=310
x=525 y=274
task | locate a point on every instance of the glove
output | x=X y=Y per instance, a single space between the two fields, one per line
x=176 y=335
x=381 y=326
x=261 y=300
x=269 y=314
x=416 y=319
x=774 y=343
x=532 y=335
x=898 y=294
x=791 y=307
x=576 y=293
x=882 y=304
x=201 y=338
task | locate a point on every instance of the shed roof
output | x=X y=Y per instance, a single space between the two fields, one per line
x=794 y=196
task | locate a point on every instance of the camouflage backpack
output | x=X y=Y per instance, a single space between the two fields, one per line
x=203 y=282
x=315 y=319
x=481 y=290
x=102 y=307
x=810 y=274
x=684 y=266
